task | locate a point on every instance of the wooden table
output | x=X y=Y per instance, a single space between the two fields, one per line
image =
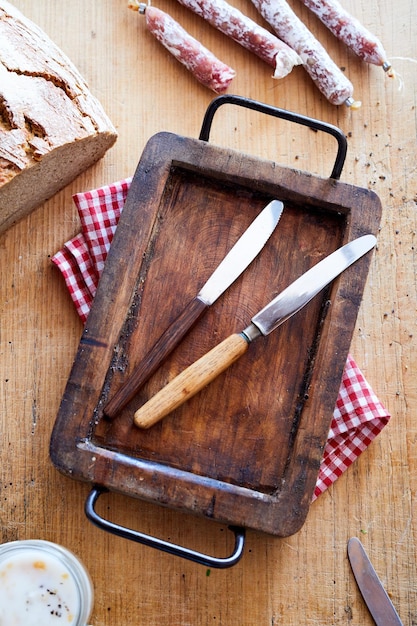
x=306 y=578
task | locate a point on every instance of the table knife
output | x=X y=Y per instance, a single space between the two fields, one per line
x=374 y=594
x=235 y=262
x=287 y=303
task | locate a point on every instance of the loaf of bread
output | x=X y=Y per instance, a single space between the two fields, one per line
x=51 y=127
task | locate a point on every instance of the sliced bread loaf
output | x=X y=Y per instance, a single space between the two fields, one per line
x=51 y=127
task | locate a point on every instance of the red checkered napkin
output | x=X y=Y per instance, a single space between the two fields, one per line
x=358 y=416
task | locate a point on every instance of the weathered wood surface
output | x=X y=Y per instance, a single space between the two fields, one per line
x=304 y=579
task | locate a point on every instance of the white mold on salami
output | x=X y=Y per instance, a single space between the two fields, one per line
x=243 y=30
x=349 y=29
x=329 y=79
x=203 y=64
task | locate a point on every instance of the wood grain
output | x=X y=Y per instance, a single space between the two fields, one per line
x=304 y=579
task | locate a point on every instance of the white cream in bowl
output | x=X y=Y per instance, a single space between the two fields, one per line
x=42 y=583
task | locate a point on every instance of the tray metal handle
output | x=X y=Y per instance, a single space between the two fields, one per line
x=281 y=113
x=160 y=544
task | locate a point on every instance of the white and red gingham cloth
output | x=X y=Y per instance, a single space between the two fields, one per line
x=358 y=415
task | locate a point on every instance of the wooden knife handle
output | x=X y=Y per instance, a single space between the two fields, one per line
x=191 y=380
x=156 y=355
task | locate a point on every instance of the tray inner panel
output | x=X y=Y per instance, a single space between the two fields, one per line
x=240 y=428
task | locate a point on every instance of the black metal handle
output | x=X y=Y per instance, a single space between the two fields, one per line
x=282 y=113
x=160 y=544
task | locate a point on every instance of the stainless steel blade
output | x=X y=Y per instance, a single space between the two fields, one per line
x=301 y=291
x=243 y=252
x=374 y=594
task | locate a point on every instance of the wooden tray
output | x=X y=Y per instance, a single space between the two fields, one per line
x=245 y=451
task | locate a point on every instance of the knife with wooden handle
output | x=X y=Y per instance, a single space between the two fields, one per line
x=281 y=308
x=235 y=262
x=374 y=594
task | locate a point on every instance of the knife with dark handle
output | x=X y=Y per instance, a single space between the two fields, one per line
x=235 y=262
x=374 y=594
x=281 y=308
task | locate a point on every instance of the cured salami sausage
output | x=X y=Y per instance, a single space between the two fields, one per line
x=349 y=30
x=247 y=33
x=329 y=79
x=205 y=67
